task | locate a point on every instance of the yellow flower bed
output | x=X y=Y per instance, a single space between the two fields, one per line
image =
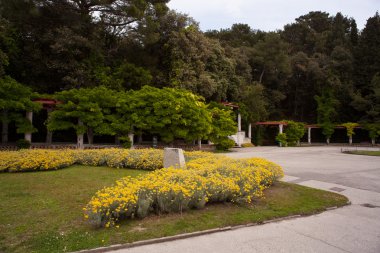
x=33 y=160
x=141 y=159
x=209 y=178
x=39 y=159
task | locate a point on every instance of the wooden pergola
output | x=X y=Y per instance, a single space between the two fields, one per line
x=281 y=125
x=240 y=136
x=48 y=105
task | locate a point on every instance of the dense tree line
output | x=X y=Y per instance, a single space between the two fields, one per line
x=320 y=68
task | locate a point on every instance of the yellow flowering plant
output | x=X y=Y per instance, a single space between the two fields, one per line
x=209 y=178
x=40 y=159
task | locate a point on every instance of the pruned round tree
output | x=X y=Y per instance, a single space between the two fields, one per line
x=85 y=110
x=15 y=100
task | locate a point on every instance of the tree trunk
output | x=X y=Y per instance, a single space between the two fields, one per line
x=350 y=140
x=262 y=76
x=373 y=141
x=80 y=137
x=328 y=141
x=28 y=135
x=117 y=140
x=140 y=139
x=80 y=141
x=90 y=136
x=49 y=135
x=200 y=144
x=4 y=130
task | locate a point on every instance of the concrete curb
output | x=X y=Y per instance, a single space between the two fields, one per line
x=194 y=234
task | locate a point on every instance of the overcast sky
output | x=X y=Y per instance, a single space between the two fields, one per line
x=269 y=15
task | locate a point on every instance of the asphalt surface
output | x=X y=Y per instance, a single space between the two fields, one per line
x=354 y=228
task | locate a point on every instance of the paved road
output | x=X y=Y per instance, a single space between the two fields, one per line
x=355 y=228
x=325 y=164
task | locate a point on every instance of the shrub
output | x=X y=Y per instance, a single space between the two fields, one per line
x=281 y=139
x=23 y=144
x=126 y=142
x=294 y=132
x=225 y=144
x=205 y=180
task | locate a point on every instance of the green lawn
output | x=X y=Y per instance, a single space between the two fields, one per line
x=42 y=211
x=364 y=152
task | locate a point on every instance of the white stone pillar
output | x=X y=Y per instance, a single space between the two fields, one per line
x=250 y=131
x=280 y=131
x=281 y=128
x=309 y=135
x=28 y=135
x=239 y=122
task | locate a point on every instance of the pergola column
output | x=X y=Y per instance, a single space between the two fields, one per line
x=28 y=135
x=309 y=135
x=239 y=130
x=280 y=131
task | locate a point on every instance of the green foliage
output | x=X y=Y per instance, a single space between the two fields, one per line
x=368 y=101
x=367 y=53
x=124 y=77
x=326 y=112
x=223 y=125
x=350 y=128
x=258 y=135
x=15 y=96
x=23 y=144
x=170 y=113
x=294 y=132
x=84 y=108
x=126 y=142
x=127 y=44
x=225 y=143
x=253 y=103
x=15 y=99
x=282 y=139
x=373 y=129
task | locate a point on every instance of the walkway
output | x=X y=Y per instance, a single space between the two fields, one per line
x=355 y=228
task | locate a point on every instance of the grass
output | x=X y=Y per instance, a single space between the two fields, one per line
x=363 y=152
x=42 y=211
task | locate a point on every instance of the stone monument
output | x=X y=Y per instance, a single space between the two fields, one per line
x=173 y=157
